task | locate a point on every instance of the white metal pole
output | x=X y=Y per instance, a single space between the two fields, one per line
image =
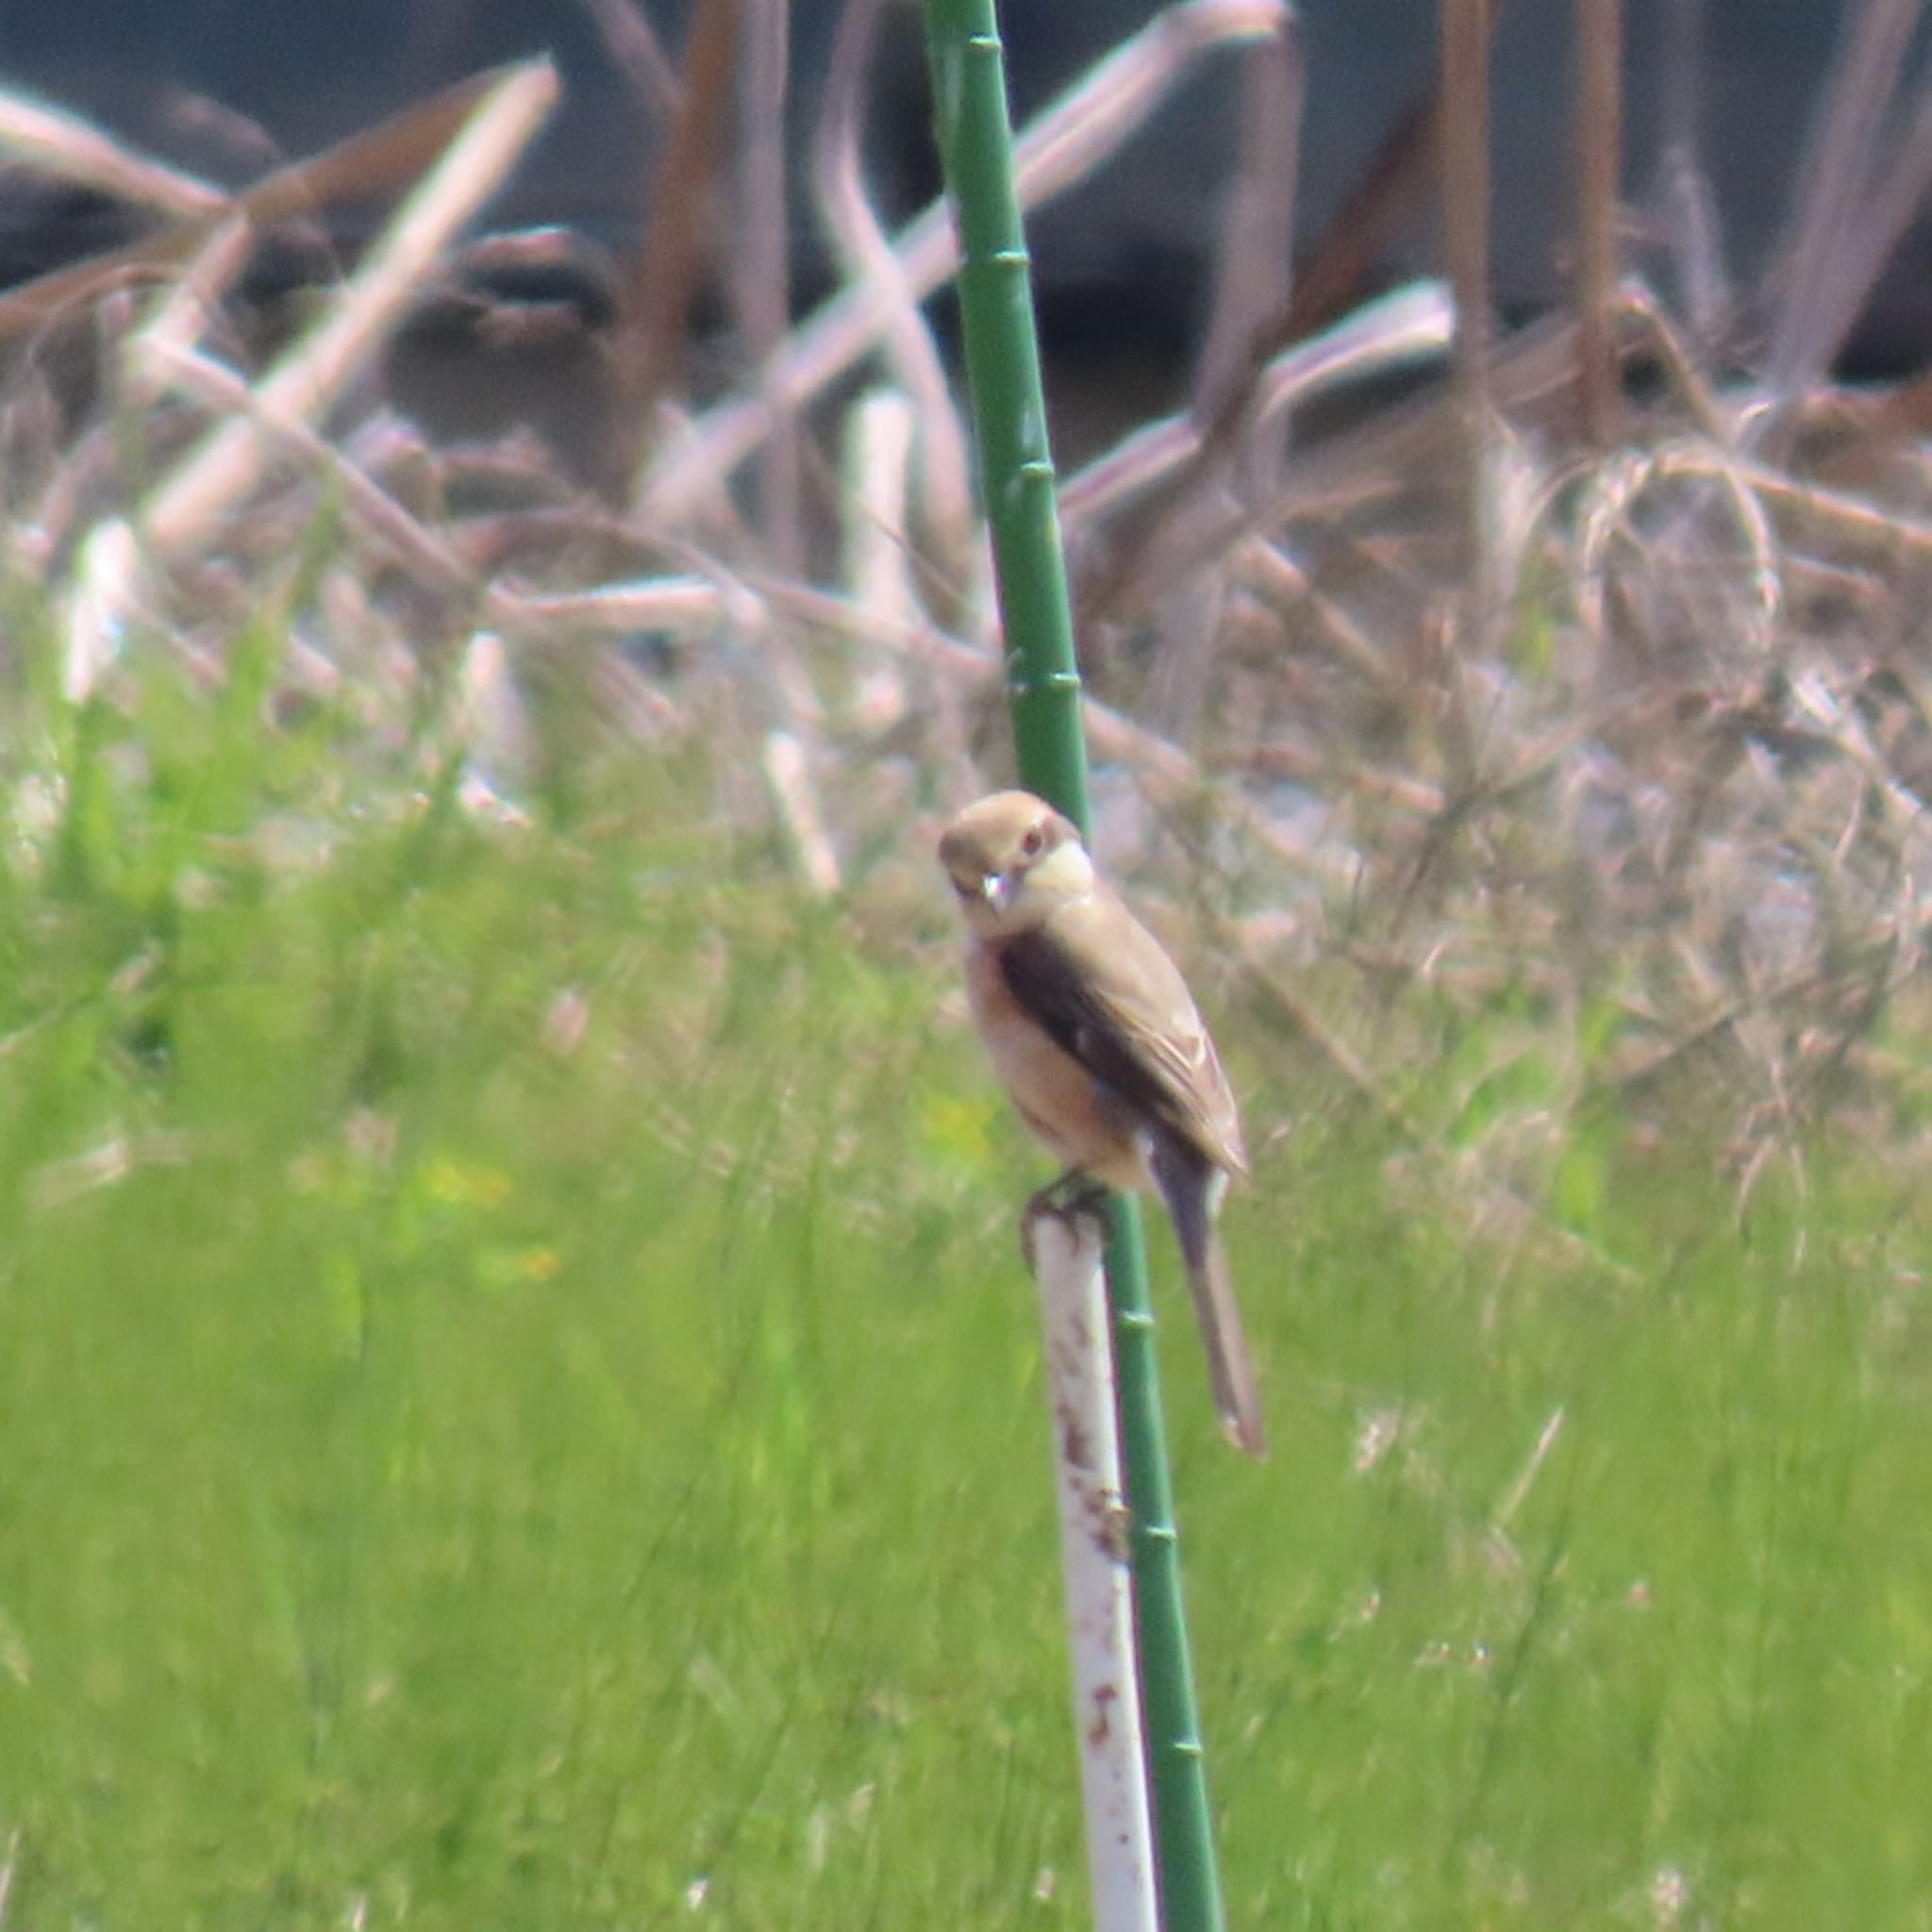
x=1066 y=1256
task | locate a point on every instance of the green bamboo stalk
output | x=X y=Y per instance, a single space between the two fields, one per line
x=1043 y=696
x=1008 y=401
x=1177 y=1765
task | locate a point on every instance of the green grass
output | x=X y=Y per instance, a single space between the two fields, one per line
x=454 y=1478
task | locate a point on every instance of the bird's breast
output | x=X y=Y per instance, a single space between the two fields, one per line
x=1084 y=1127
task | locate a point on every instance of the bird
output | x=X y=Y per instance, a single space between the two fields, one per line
x=1093 y=1033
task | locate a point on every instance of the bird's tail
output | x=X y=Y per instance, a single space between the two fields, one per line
x=1191 y=1189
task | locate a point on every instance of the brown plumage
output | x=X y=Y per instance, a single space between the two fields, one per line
x=1092 y=1030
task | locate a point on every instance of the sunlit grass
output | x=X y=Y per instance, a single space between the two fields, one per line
x=520 y=1407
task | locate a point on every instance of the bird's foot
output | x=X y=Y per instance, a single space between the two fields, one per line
x=1071 y=1198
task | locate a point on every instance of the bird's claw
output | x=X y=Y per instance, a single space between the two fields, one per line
x=1071 y=1198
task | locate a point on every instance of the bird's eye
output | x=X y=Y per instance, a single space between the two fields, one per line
x=1033 y=845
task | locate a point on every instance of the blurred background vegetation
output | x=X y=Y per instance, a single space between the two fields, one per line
x=519 y=1403
x=521 y=1406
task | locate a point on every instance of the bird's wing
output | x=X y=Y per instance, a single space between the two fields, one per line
x=1099 y=983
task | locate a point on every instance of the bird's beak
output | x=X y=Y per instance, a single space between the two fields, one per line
x=993 y=888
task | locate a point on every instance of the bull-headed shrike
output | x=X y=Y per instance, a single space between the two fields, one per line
x=1092 y=1030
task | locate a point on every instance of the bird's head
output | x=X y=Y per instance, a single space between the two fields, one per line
x=1012 y=860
